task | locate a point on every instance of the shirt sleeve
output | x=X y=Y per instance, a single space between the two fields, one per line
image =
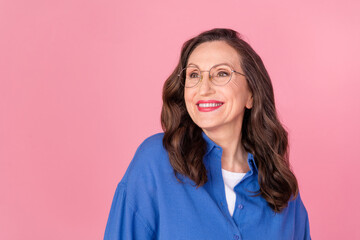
x=303 y=227
x=124 y=221
x=307 y=229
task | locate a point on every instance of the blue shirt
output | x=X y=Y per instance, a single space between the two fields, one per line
x=149 y=203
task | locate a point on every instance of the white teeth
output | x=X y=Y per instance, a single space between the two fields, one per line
x=209 y=104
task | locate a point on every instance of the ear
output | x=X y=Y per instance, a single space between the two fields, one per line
x=249 y=103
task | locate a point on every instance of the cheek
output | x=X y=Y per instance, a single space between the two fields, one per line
x=189 y=101
x=236 y=95
x=188 y=97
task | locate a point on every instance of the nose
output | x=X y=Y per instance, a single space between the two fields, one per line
x=205 y=85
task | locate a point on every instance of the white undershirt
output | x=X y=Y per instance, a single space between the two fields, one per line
x=231 y=179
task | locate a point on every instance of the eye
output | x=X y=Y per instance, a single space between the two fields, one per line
x=194 y=75
x=222 y=74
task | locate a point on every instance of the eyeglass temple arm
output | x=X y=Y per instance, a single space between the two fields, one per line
x=238 y=73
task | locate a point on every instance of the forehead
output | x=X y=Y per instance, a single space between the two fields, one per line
x=208 y=54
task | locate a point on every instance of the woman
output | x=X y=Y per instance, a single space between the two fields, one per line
x=220 y=170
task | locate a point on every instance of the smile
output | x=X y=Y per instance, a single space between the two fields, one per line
x=207 y=107
x=209 y=104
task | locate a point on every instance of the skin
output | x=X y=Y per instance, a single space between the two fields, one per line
x=224 y=124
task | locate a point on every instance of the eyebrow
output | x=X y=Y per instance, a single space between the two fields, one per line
x=214 y=64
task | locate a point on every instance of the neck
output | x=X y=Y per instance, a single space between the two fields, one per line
x=234 y=156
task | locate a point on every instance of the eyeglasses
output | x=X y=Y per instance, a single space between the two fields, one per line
x=219 y=75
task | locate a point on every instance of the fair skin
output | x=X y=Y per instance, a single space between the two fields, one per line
x=222 y=125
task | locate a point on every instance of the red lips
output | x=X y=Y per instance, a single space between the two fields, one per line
x=207 y=101
x=208 y=109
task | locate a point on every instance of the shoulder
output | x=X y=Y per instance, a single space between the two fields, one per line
x=152 y=144
x=144 y=175
x=298 y=203
x=302 y=217
x=150 y=151
x=135 y=204
x=147 y=158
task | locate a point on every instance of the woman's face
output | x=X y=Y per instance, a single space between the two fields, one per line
x=234 y=96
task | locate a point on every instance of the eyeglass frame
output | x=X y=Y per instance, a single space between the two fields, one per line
x=210 y=78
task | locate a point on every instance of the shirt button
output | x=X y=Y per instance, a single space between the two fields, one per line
x=240 y=206
x=236 y=237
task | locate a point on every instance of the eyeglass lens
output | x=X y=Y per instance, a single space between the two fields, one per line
x=219 y=75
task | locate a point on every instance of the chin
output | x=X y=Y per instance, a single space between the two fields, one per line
x=208 y=126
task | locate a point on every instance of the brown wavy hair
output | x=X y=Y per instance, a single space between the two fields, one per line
x=262 y=133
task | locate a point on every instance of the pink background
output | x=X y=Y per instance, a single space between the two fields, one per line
x=80 y=89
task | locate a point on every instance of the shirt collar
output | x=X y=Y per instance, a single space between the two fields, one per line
x=210 y=144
